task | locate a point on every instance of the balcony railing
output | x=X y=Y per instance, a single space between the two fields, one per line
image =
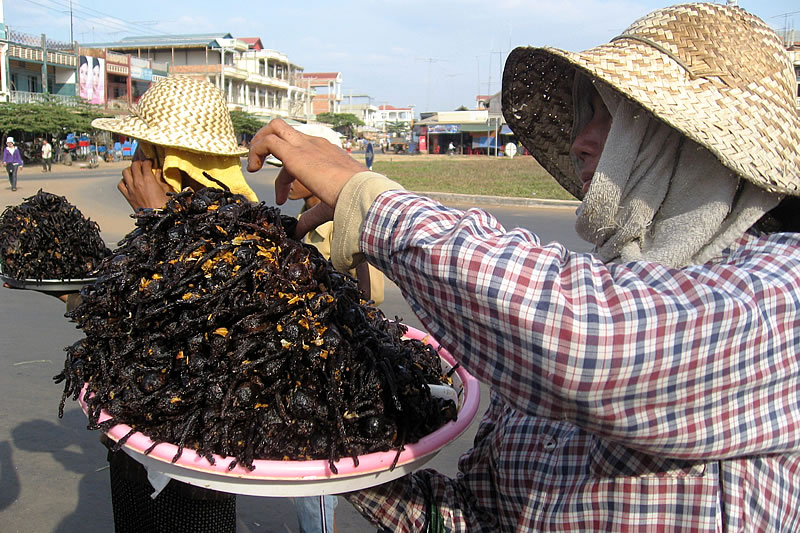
x=32 y=40
x=24 y=97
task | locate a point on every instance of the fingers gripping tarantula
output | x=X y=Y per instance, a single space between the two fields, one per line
x=209 y=327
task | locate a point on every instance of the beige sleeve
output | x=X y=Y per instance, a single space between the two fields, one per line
x=376 y=285
x=354 y=201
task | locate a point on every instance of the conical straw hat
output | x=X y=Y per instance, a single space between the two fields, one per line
x=714 y=72
x=180 y=112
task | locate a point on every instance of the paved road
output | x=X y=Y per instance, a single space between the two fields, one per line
x=53 y=473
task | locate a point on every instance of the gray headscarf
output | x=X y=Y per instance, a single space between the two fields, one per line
x=656 y=195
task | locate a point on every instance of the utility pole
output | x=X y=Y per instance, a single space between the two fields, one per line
x=430 y=61
x=71 y=38
x=786 y=25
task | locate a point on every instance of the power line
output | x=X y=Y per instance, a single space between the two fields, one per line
x=111 y=21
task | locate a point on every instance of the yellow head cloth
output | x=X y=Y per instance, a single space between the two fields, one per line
x=225 y=168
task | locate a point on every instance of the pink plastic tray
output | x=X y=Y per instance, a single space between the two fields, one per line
x=308 y=478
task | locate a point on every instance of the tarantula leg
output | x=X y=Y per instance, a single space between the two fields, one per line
x=399 y=448
x=121 y=442
x=186 y=428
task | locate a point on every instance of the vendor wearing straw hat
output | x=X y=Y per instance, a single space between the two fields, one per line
x=185 y=134
x=652 y=385
x=184 y=131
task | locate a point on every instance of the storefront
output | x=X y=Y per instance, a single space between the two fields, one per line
x=483 y=138
x=141 y=77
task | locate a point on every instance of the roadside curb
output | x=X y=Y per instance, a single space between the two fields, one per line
x=506 y=201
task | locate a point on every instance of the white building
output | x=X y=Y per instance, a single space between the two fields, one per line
x=388 y=114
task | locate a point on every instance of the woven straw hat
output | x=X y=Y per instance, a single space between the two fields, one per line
x=180 y=112
x=714 y=72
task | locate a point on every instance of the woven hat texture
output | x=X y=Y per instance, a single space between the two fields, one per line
x=180 y=112
x=714 y=72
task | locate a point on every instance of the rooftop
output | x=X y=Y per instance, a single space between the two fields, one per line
x=150 y=41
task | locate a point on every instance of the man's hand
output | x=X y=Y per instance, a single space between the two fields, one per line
x=319 y=165
x=144 y=186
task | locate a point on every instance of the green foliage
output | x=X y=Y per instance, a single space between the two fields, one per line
x=46 y=119
x=245 y=124
x=398 y=128
x=344 y=123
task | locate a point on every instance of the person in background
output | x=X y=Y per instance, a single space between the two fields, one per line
x=12 y=158
x=315 y=514
x=370 y=280
x=652 y=384
x=47 y=156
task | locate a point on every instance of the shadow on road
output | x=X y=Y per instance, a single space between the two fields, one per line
x=80 y=453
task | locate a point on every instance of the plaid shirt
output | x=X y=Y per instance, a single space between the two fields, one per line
x=625 y=397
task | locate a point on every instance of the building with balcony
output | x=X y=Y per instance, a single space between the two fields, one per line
x=253 y=79
x=36 y=69
x=42 y=70
x=327 y=91
x=362 y=107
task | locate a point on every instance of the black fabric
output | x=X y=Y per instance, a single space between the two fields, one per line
x=179 y=508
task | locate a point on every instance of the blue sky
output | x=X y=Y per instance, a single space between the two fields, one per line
x=434 y=54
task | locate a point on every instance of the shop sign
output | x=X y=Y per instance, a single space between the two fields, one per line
x=140 y=69
x=443 y=128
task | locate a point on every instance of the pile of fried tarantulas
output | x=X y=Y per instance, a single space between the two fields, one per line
x=212 y=329
x=46 y=237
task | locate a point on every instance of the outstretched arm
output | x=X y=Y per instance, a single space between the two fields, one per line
x=322 y=167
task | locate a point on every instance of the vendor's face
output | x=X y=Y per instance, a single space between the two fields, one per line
x=588 y=145
x=141 y=154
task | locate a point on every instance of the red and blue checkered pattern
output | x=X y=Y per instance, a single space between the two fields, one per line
x=626 y=397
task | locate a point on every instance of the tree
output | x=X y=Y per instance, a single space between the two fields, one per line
x=51 y=119
x=344 y=123
x=245 y=124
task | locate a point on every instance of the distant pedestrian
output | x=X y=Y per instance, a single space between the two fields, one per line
x=12 y=158
x=47 y=156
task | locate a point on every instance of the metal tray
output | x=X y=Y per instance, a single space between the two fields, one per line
x=46 y=285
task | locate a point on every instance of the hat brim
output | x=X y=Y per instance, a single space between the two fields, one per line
x=135 y=127
x=759 y=142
